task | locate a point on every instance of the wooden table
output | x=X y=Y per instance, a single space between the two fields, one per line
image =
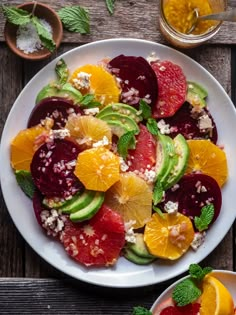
x=29 y=285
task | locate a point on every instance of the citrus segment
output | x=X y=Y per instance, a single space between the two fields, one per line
x=88 y=130
x=209 y=159
x=168 y=236
x=215 y=299
x=132 y=198
x=100 y=83
x=24 y=145
x=97 y=168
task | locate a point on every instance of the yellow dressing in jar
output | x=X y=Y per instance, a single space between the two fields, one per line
x=179 y=14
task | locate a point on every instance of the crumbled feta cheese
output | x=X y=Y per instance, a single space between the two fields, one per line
x=205 y=122
x=149 y=176
x=91 y=111
x=123 y=166
x=101 y=143
x=52 y=221
x=164 y=128
x=198 y=240
x=171 y=207
x=60 y=133
x=83 y=80
x=129 y=232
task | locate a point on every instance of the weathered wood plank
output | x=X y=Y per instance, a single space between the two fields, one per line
x=137 y=19
x=12 y=246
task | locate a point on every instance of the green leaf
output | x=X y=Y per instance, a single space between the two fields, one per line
x=16 y=16
x=44 y=35
x=88 y=101
x=158 y=210
x=186 y=292
x=125 y=142
x=25 y=181
x=139 y=310
x=75 y=19
x=206 y=217
x=145 y=108
x=157 y=193
x=110 y=6
x=62 y=71
x=197 y=272
x=152 y=126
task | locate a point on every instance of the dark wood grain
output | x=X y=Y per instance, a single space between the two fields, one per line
x=137 y=19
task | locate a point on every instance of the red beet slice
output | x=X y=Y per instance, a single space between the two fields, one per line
x=97 y=242
x=57 y=108
x=195 y=191
x=52 y=169
x=172 y=87
x=137 y=79
x=187 y=124
x=144 y=155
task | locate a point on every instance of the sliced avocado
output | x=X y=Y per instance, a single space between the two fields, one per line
x=139 y=260
x=66 y=90
x=57 y=202
x=127 y=121
x=122 y=109
x=90 y=209
x=139 y=248
x=163 y=158
x=182 y=152
x=79 y=203
x=117 y=128
x=196 y=94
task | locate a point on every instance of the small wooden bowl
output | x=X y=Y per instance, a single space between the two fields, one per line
x=41 y=11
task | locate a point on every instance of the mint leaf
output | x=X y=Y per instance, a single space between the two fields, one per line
x=197 y=272
x=206 y=217
x=16 y=16
x=110 y=6
x=62 y=71
x=88 y=101
x=125 y=142
x=157 y=193
x=145 y=108
x=75 y=19
x=186 y=292
x=25 y=181
x=139 y=310
x=158 y=210
x=44 y=35
x=152 y=126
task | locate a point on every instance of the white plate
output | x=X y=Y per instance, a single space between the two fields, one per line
x=124 y=273
x=228 y=278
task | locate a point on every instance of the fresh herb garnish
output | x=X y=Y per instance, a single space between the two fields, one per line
x=152 y=126
x=89 y=102
x=44 y=35
x=25 y=181
x=125 y=142
x=75 y=19
x=139 y=310
x=158 y=210
x=188 y=291
x=110 y=6
x=145 y=108
x=62 y=71
x=158 y=193
x=206 y=217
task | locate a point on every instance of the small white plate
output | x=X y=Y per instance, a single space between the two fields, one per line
x=228 y=278
x=124 y=273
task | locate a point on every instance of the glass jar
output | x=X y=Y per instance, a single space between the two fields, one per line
x=176 y=17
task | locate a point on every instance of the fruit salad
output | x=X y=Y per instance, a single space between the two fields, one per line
x=121 y=158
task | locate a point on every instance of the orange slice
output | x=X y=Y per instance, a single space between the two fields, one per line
x=97 y=168
x=209 y=159
x=101 y=83
x=132 y=198
x=215 y=299
x=168 y=236
x=89 y=130
x=25 y=144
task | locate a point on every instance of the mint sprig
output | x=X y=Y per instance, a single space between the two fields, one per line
x=16 y=16
x=139 y=310
x=157 y=193
x=125 y=142
x=88 y=101
x=197 y=272
x=145 y=108
x=152 y=126
x=44 y=35
x=62 y=71
x=206 y=217
x=75 y=19
x=110 y=4
x=25 y=181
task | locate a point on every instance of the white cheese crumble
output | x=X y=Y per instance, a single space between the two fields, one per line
x=59 y=134
x=91 y=111
x=149 y=176
x=82 y=81
x=198 y=240
x=101 y=143
x=171 y=207
x=164 y=128
x=27 y=38
x=123 y=166
x=129 y=232
x=52 y=222
x=205 y=122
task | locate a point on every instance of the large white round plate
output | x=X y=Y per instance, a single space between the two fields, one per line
x=124 y=273
x=228 y=278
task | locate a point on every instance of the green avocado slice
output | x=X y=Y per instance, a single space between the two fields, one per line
x=78 y=203
x=139 y=248
x=131 y=256
x=196 y=94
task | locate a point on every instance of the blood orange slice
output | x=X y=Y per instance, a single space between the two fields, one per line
x=97 y=242
x=172 y=87
x=168 y=307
